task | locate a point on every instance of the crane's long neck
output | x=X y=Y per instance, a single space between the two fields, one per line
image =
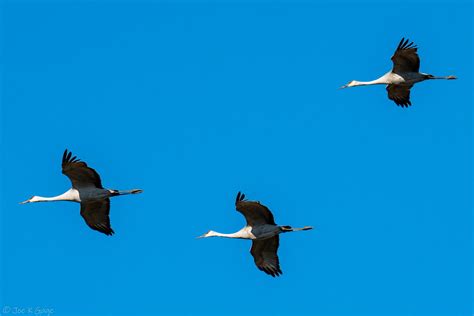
x=241 y=234
x=70 y=195
x=233 y=235
x=381 y=80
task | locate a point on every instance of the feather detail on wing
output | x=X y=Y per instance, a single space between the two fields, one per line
x=265 y=255
x=405 y=59
x=79 y=173
x=254 y=212
x=96 y=215
x=400 y=94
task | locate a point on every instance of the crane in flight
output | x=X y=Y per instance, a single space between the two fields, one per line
x=263 y=232
x=86 y=189
x=404 y=74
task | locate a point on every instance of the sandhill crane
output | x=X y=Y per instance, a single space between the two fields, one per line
x=404 y=74
x=86 y=189
x=263 y=232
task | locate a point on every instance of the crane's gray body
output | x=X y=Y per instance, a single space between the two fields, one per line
x=266 y=231
x=94 y=194
x=406 y=78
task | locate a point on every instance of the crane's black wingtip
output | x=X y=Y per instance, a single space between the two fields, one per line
x=403 y=104
x=240 y=197
x=406 y=44
x=65 y=154
x=108 y=232
x=68 y=158
x=274 y=272
x=401 y=43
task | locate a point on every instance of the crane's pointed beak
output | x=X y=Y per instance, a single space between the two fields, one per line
x=348 y=85
x=203 y=235
x=24 y=202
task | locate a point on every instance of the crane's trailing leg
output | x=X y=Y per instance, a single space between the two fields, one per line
x=287 y=229
x=125 y=192
x=441 y=77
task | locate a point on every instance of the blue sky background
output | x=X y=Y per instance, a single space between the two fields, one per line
x=194 y=101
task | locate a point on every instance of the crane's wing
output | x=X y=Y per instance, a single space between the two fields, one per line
x=265 y=255
x=96 y=215
x=79 y=173
x=254 y=212
x=400 y=94
x=405 y=59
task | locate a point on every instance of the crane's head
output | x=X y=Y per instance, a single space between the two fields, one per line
x=352 y=83
x=210 y=233
x=31 y=200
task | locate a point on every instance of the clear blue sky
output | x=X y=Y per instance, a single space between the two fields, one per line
x=194 y=101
